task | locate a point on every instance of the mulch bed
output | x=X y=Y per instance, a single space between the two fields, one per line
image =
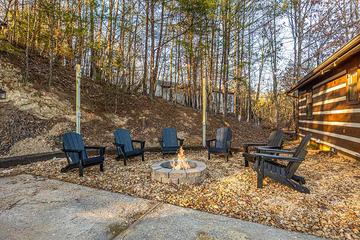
x=332 y=209
x=16 y=125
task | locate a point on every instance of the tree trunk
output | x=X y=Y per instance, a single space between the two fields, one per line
x=152 y=51
x=144 y=79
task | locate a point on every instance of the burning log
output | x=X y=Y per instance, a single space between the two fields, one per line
x=181 y=163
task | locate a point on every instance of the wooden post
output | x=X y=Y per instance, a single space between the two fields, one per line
x=78 y=112
x=204 y=102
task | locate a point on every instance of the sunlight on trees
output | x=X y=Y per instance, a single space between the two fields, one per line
x=249 y=53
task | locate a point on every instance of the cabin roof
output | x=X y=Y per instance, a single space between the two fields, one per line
x=344 y=53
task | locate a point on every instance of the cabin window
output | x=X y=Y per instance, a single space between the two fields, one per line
x=353 y=87
x=309 y=105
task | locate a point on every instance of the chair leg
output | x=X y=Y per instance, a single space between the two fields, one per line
x=208 y=155
x=299 y=179
x=302 y=189
x=81 y=171
x=296 y=186
x=125 y=161
x=260 y=179
x=246 y=158
x=246 y=163
x=256 y=164
x=65 y=169
x=101 y=167
x=142 y=157
x=260 y=175
x=245 y=154
x=227 y=157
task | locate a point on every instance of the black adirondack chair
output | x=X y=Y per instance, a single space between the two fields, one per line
x=268 y=165
x=169 y=142
x=221 y=144
x=125 y=145
x=77 y=156
x=275 y=141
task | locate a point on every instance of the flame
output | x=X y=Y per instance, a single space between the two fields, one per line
x=181 y=163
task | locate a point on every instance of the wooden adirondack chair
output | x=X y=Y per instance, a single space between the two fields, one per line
x=284 y=174
x=169 y=142
x=275 y=141
x=125 y=145
x=221 y=144
x=76 y=153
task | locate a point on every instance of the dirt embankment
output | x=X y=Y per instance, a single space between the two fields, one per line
x=35 y=116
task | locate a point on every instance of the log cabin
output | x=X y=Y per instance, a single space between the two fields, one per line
x=329 y=101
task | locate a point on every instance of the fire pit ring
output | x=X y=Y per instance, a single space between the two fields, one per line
x=164 y=173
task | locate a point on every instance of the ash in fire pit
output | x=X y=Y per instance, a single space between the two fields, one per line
x=179 y=171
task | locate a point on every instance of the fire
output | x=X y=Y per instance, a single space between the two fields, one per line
x=181 y=163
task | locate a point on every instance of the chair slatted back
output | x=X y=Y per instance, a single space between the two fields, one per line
x=299 y=153
x=169 y=137
x=74 y=141
x=223 y=137
x=276 y=138
x=122 y=136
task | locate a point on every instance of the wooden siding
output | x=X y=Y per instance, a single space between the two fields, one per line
x=346 y=133
x=335 y=122
x=346 y=117
x=345 y=150
x=346 y=144
x=332 y=123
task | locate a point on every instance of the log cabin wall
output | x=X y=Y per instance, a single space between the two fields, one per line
x=326 y=112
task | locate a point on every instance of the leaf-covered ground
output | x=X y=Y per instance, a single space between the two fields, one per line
x=332 y=209
x=34 y=117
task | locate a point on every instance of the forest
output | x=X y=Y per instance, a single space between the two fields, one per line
x=246 y=53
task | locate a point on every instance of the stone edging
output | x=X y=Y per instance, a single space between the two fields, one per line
x=193 y=175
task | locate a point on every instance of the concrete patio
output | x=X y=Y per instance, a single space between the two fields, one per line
x=38 y=208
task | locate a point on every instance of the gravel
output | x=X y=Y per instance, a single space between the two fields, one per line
x=332 y=209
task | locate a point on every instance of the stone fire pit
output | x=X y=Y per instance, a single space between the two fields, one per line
x=163 y=172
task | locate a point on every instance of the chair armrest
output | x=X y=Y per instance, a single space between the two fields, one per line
x=273 y=150
x=94 y=147
x=142 y=143
x=247 y=145
x=254 y=144
x=72 y=150
x=277 y=157
x=101 y=149
x=119 y=145
x=208 y=142
x=269 y=147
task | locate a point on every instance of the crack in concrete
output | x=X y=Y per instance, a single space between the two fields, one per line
x=132 y=224
x=12 y=205
x=42 y=202
x=15 y=204
x=32 y=194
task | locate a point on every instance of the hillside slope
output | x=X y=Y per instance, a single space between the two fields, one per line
x=34 y=117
